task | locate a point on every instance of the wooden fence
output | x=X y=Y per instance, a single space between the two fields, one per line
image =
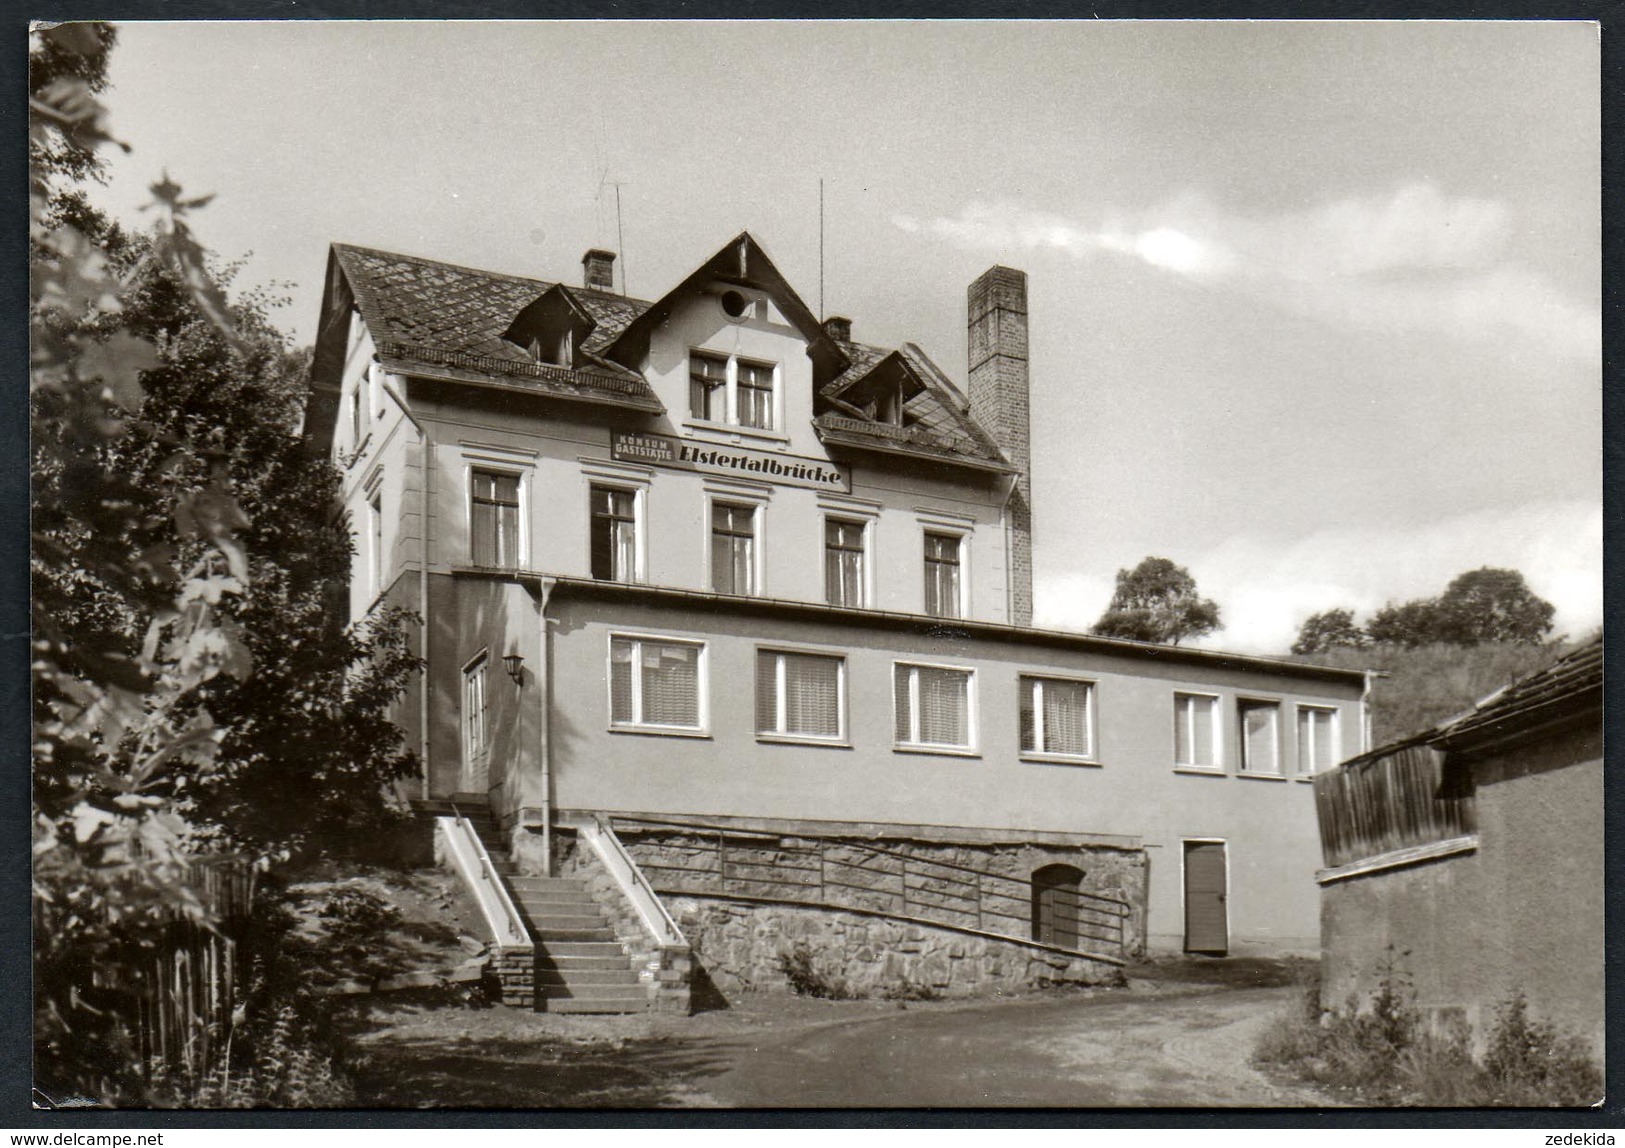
x=841 y=873
x=1393 y=801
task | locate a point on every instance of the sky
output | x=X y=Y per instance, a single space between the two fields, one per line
x=1315 y=307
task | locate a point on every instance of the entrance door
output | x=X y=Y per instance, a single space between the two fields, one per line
x=1055 y=905
x=1207 y=924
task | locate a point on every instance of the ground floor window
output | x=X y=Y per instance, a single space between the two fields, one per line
x=800 y=695
x=1317 y=738
x=1196 y=726
x=475 y=757
x=934 y=707
x=656 y=683
x=1259 y=727
x=1057 y=717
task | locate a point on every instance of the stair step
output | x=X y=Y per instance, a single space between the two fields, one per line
x=546 y=904
x=565 y=885
x=565 y=948
x=563 y=964
x=598 y=1005
x=589 y=992
x=548 y=935
x=516 y=886
x=556 y=921
x=574 y=977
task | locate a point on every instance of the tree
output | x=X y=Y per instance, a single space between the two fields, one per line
x=1157 y=602
x=1484 y=605
x=1493 y=605
x=1329 y=630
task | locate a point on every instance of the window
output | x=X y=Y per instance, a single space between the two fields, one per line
x=942 y=575
x=730 y=390
x=614 y=534
x=1317 y=738
x=800 y=695
x=375 y=542
x=934 y=707
x=654 y=683
x=1057 y=717
x=355 y=416
x=843 y=562
x=474 y=741
x=707 y=387
x=1196 y=731
x=733 y=548
x=494 y=518
x=1258 y=723
x=755 y=387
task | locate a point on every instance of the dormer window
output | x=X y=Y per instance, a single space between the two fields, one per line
x=728 y=389
x=553 y=352
x=889 y=405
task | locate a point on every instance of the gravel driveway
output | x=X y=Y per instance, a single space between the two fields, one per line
x=1181 y=1035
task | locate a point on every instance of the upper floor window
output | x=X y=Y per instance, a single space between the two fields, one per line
x=1057 y=717
x=614 y=541
x=843 y=562
x=733 y=548
x=800 y=695
x=1196 y=731
x=726 y=389
x=942 y=575
x=493 y=518
x=1317 y=738
x=656 y=683
x=1258 y=724
x=934 y=707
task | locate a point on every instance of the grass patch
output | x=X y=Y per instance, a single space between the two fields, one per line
x=1384 y=1055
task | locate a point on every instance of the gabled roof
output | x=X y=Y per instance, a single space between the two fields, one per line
x=1569 y=687
x=740 y=261
x=441 y=319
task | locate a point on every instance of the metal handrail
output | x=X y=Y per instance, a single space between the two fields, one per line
x=518 y=934
x=630 y=878
x=972 y=894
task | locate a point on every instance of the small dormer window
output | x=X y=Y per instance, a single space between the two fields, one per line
x=889 y=405
x=554 y=352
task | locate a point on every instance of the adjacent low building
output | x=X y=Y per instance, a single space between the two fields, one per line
x=1468 y=862
x=716 y=573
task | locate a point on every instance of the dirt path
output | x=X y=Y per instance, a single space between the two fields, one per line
x=1179 y=1037
x=1176 y=1049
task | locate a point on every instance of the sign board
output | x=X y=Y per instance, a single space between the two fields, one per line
x=729 y=461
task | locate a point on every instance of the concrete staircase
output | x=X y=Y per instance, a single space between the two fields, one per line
x=580 y=966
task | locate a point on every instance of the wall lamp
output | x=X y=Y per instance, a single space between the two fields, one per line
x=515 y=665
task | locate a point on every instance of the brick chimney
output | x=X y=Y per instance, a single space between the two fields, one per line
x=996 y=307
x=598 y=269
x=838 y=327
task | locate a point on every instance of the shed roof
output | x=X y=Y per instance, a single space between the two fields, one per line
x=1569 y=687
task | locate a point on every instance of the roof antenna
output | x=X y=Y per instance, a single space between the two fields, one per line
x=820 y=249
x=620 y=239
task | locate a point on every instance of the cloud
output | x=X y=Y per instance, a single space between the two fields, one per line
x=1266 y=586
x=1413 y=259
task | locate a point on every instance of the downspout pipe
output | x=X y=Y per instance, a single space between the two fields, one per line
x=423 y=583
x=540 y=590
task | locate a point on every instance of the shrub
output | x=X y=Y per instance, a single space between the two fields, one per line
x=807 y=980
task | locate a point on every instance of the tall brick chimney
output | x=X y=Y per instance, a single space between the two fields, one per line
x=598 y=269
x=996 y=306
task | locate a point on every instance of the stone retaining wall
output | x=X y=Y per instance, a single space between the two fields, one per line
x=747 y=946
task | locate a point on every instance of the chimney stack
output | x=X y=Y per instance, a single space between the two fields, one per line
x=996 y=307
x=598 y=269
x=838 y=327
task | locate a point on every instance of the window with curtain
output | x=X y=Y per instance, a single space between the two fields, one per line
x=614 y=535
x=1317 y=738
x=494 y=518
x=1258 y=723
x=1196 y=722
x=942 y=575
x=755 y=390
x=843 y=562
x=800 y=695
x=1057 y=717
x=933 y=706
x=707 y=387
x=654 y=683
x=733 y=548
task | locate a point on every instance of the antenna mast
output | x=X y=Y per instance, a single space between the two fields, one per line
x=820 y=249
x=620 y=238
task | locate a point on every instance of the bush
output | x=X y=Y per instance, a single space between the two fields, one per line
x=1383 y=1055
x=808 y=981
